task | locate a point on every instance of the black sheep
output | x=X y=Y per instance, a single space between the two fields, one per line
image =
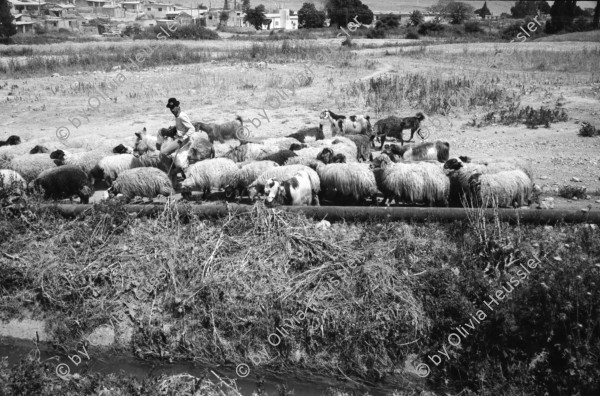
x=279 y=157
x=12 y=140
x=316 y=132
x=64 y=182
x=39 y=150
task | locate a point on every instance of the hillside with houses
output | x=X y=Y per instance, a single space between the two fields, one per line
x=111 y=17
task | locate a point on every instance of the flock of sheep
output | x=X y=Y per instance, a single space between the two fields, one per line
x=303 y=168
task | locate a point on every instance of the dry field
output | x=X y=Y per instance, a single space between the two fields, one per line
x=556 y=75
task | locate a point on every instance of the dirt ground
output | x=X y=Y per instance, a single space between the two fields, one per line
x=215 y=92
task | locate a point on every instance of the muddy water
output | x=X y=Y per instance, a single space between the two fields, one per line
x=107 y=363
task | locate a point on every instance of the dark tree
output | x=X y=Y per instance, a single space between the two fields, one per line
x=343 y=11
x=562 y=13
x=596 y=16
x=7 y=24
x=226 y=5
x=389 y=21
x=459 y=12
x=524 y=8
x=223 y=17
x=256 y=16
x=483 y=11
x=245 y=5
x=543 y=7
x=309 y=17
x=416 y=17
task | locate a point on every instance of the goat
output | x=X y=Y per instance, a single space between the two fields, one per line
x=355 y=124
x=393 y=126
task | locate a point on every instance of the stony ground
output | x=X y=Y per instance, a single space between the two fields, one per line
x=217 y=91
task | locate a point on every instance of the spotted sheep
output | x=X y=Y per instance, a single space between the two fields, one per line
x=295 y=191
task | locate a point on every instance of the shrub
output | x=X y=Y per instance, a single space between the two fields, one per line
x=194 y=32
x=581 y=24
x=588 y=130
x=389 y=22
x=64 y=31
x=376 y=33
x=473 y=27
x=510 y=32
x=39 y=29
x=571 y=192
x=132 y=30
x=412 y=35
x=428 y=28
x=416 y=18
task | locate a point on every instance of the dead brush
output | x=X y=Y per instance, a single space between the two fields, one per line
x=494 y=239
x=434 y=95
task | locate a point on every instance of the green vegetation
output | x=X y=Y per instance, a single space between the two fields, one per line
x=7 y=22
x=528 y=116
x=309 y=17
x=588 y=130
x=226 y=284
x=256 y=16
x=341 y=12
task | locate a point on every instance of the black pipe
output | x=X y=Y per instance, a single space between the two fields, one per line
x=358 y=213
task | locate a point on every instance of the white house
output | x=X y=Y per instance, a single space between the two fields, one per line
x=158 y=10
x=132 y=6
x=24 y=23
x=25 y=7
x=98 y=3
x=281 y=20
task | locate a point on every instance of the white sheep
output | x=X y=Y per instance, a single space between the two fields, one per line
x=512 y=187
x=282 y=143
x=504 y=189
x=354 y=180
x=205 y=175
x=250 y=151
x=437 y=150
x=339 y=145
x=516 y=163
x=142 y=182
x=295 y=191
x=31 y=165
x=283 y=173
x=108 y=168
x=86 y=160
x=297 y=160
x=246 y=175
x=415 y=182
x=11 y=179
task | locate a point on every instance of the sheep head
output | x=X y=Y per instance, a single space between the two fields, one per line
x=38 y=149
x=58 y=155
x=122 y=149
x=274 y=188
x=326 y=155
x=453 y=164
x=13 y=140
